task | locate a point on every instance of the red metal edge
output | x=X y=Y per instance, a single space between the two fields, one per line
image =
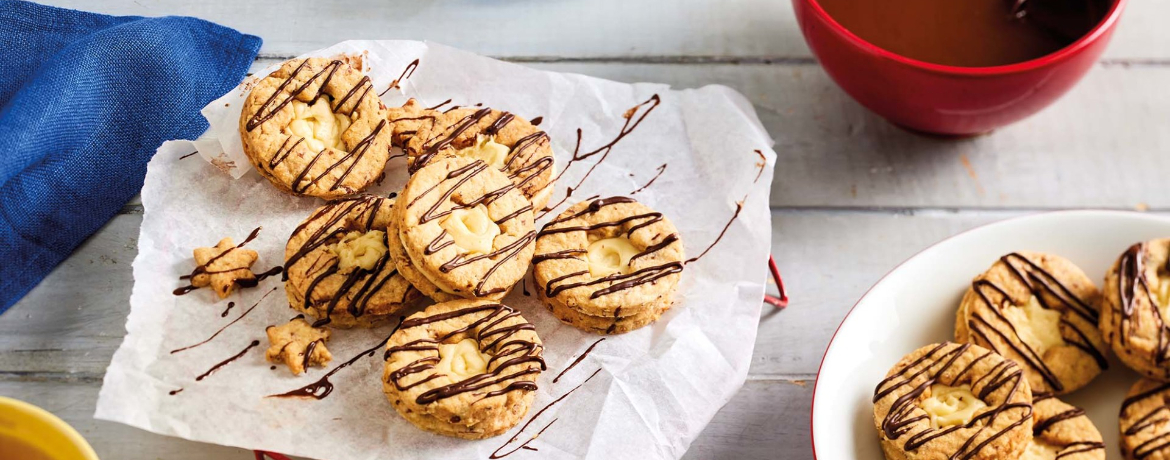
x=262 y=455
x=781 y=301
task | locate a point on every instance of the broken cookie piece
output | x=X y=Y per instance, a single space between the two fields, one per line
x=223 y=267
x=298 y=345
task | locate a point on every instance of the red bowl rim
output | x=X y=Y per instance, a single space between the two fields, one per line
x=1057 y=56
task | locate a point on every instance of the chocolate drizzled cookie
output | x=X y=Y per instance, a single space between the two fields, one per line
x=315 y=127
x=1041 y=311
x=1134 y=317
x=465 y=368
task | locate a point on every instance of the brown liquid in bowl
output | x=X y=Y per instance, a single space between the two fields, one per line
x=969 y=33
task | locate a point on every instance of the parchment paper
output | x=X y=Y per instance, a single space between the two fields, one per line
x=654 y=389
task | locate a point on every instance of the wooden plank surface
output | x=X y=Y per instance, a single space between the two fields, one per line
x=853 y=196
x=683 y=31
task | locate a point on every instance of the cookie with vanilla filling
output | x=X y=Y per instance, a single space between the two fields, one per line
x=952 y=400
x=466 y=227
x=338 y=269
x=465 y=368
x=314 y=127
x=1041 y=311
x=502 y=140
x=608 y=265
x=1134 y=318
x=1062 y=431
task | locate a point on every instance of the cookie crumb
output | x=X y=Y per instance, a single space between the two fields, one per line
x=298 y=345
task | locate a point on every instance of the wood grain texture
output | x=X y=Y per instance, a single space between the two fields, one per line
x=686 y=30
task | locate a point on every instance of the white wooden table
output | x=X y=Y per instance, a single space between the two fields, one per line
x=852 y=197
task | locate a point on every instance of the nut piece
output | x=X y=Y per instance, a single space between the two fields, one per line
x=298 y=345
x=223 y=266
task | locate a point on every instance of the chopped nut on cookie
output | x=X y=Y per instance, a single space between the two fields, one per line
x=298 y=345
x=223 y=267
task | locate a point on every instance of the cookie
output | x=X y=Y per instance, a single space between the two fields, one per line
x=957 y=401
x=1134 y=317
x=1144 y=417
x=406 y=267
x=466 y=227
x=608 y=265
x=223 y=267
x=337 y=267
x=465 y=368
x=1041 y=311
x=315 y=128
x=1062 y=431
x=298 y=345
x=500 y=139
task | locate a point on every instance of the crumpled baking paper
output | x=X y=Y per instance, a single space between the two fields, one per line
x=652 y=390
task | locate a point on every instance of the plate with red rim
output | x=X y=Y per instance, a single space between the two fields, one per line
x=914 y=305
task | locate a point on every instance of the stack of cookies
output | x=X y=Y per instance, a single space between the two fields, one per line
x=461 y=232
x=1030 y=328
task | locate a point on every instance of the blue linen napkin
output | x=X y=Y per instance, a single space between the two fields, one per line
x=85 y=99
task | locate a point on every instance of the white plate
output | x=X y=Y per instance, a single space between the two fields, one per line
x=914 y=305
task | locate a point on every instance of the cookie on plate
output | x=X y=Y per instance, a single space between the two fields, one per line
x=465 y=368
x=465 y=227
x=953 y=400
x=503 y=140
x=608 y=265
x=1062 y=431
x=337 y=268
x=1134 y=315
x=315 y=128
x=1041 y=311
x=1144 y=417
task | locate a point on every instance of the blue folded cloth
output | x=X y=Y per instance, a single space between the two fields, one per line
x=85 y=99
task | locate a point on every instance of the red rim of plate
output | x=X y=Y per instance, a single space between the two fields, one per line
x=812 y=405
x=1052 y=58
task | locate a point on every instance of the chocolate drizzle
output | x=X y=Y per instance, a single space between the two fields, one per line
x=433 y=145
x=323 y=387
x=225 y=362
x=661 y=169
x=578 y=360
x=492 y=338
x=242 y=315
x=633 y=120
x=406 y=73
x=497 y=455
x=1152 y=419
x=900 y=419
x=227 y=310
x=175 y=392
x=536 y=121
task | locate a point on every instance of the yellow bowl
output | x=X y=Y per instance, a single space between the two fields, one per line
x=31 y=429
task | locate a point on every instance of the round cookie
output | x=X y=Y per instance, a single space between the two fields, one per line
x=466 y=227
x=1145 y=433
x=1041 y=311
x=1134 y=317
x=337 y=268
x=315 y=128
x=953 y=400
x=406 y=267
x=465 y=368
x=1062 y=431
x=502 y=140
x=608 y=265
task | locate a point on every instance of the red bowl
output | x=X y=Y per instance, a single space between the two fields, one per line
x=943 y=99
